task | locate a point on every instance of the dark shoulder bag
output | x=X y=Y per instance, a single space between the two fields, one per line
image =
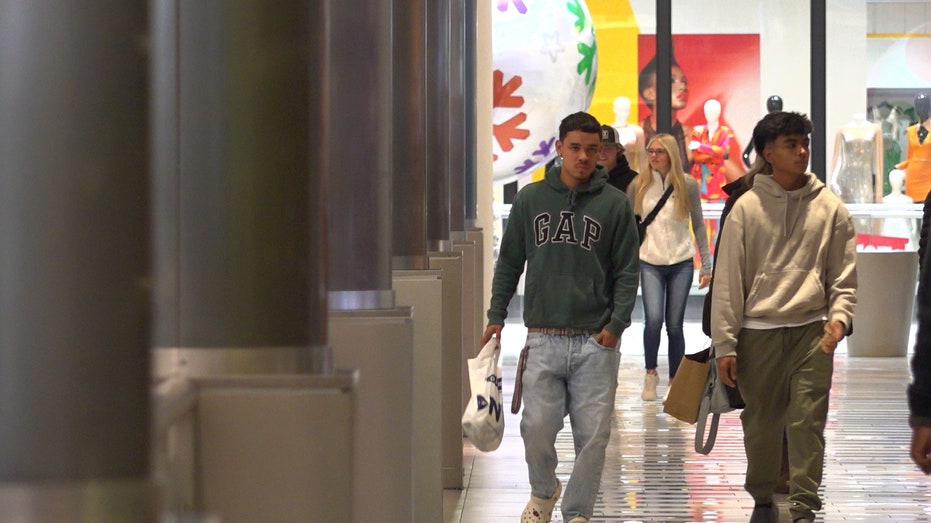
x=642 y=224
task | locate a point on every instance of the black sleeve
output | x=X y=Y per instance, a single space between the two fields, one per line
x=919 y=391
x=923 y=233
x=739 y=187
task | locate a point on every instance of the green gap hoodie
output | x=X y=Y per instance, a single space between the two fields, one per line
x=581 y=251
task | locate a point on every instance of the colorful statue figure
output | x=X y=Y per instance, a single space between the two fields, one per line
x=710 y=145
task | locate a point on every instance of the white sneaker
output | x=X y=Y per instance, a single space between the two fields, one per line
x=650 y=381
x=578 y=519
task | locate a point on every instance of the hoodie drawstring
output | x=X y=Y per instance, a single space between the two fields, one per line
x=796 y=201
x=570 y=199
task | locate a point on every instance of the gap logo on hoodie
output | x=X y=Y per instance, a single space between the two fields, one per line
x=564 y=229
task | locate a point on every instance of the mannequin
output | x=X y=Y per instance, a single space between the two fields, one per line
x=710 y=145
x=896 y=180
x=773 y=104
x=917 y=162
x=629 y=135
x=897 y=227
x=857 y=173
x=892 y=132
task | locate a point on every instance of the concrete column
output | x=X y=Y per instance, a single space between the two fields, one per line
x=240 y=249
x=438 y=127
x=273 y=447
x=457 y=120
x=369 y=333
x=422 y=290
x=409 y=190
x=470 y=46
x=74 y=262
x=238 y=87
x=484 y=184
x=379 y=344
x=450 y=263
x=414 y=285
x=359 y=137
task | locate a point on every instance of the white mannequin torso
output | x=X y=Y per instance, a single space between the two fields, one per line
x=897 y=181
x=629 y=135
x=712 y=115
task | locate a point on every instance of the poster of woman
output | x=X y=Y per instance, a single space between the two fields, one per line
x=721 y=67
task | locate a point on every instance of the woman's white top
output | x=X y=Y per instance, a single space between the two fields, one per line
x=669 y=238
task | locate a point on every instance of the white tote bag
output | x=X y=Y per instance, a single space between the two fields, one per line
x=483 y=420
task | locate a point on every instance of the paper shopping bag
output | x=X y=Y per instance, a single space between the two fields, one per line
x=686 y=390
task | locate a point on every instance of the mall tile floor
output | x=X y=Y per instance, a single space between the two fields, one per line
x=653 y=474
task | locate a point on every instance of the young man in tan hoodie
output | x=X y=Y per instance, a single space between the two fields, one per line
x=784 y=294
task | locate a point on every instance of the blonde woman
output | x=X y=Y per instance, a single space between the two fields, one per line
x=666 y=253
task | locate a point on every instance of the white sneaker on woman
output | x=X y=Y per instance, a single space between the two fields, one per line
x=650 y=381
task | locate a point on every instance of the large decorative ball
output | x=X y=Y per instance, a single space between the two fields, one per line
x=545 y=67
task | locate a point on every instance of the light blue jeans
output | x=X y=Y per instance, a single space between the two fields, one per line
x=664 y=290
x=574 y=375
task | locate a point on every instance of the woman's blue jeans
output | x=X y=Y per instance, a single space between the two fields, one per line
x=664 y=290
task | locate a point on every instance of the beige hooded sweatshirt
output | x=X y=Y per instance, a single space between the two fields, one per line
x=785 y=259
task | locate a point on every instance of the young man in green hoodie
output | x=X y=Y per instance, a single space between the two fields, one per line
x=578 y=238
x=784 y=294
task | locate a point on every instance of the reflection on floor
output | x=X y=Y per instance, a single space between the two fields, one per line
x=653 y=474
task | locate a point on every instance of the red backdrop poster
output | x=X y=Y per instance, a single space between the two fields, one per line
x=724 y=67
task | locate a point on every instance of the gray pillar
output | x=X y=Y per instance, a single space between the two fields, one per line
x=470 y=199
x=240 y=240
x=662 y=105
x=165 y=182
x=74 y=259
x=438 y=127
x=456 y=120
x=359 y=138
x=409 y=190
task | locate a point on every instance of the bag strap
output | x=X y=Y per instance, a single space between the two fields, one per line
x=703 y=445
x=659 y=205
x=518 y=381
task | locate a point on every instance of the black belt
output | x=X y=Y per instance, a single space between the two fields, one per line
x=560 y=331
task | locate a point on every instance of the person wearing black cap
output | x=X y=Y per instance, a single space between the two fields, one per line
x=614 y=161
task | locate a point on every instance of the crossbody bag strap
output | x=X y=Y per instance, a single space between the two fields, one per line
x=659 y=205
